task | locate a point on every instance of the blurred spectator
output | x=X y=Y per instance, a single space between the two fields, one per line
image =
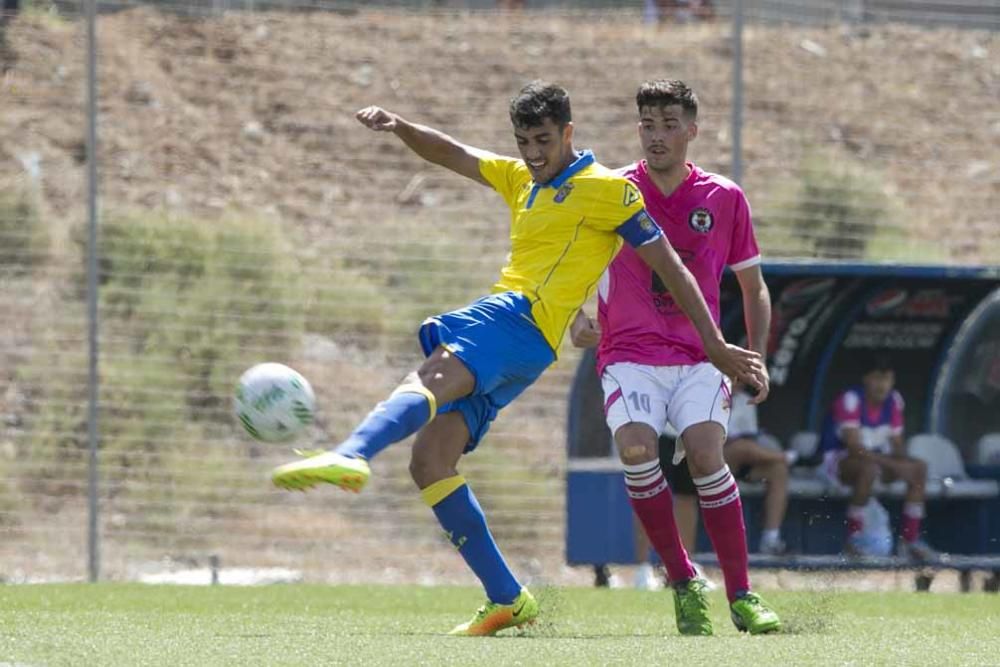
x=862 y=441
x=510 y=4
x=646 y=576
x=752 y=460
x=679 y=11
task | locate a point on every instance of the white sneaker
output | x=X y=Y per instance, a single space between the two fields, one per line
x=860 y=546
x=646 y=579
x=772 y=547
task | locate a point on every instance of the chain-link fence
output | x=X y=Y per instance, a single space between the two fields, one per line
x=245 y=216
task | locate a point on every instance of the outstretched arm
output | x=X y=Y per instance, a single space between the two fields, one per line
x=428 y=143
x=733 y=361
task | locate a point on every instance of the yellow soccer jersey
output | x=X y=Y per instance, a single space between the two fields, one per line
x=564 y=234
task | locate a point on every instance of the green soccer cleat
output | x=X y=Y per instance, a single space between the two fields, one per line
x=492 y=617
x=350 y=474
x=691 y=607
x=751 y=614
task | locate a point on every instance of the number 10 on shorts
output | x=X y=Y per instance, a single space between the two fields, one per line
x=640 y=401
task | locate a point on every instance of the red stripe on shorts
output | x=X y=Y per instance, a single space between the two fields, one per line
x=615 y=395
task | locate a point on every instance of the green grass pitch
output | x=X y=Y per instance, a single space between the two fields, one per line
x=134 y=624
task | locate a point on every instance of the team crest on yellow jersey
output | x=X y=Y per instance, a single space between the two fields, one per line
x=562 y=193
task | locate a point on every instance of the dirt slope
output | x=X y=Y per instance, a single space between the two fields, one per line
x=255 y=111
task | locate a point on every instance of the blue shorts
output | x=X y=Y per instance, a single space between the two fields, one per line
x=498 y=341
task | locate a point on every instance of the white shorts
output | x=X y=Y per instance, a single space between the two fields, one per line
x=830 y=468
x=655 y=395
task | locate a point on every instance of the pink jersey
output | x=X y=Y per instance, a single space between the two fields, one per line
x=878 y=424
x=707 y=220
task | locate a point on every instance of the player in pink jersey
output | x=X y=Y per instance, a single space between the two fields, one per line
x=654 y=369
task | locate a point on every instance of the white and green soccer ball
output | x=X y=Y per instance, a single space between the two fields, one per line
x=274 y=402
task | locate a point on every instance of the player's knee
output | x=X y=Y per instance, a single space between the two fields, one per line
x=425 y=468
x=637 y=443
x=704 y=461
x=637 y=454
x=417 y=468
x=704 y=444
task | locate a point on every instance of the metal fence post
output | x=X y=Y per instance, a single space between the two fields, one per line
x=737 y=112
x=93 y=537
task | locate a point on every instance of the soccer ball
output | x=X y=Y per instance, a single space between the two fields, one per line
x=274 y=402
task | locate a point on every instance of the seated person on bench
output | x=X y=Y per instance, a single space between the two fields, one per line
x=862 y=441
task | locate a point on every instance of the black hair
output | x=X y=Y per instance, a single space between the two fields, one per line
x=878 y=361
x=540 y=100
x=665 y=93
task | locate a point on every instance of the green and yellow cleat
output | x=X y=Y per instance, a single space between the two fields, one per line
x=751 y=614
x=691 y=607
x=492 y=617
x=350 y=474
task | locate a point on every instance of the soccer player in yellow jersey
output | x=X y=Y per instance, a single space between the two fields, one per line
x=568 y=217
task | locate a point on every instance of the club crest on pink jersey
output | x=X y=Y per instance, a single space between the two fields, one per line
x=701 y=220
x=640 y=321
